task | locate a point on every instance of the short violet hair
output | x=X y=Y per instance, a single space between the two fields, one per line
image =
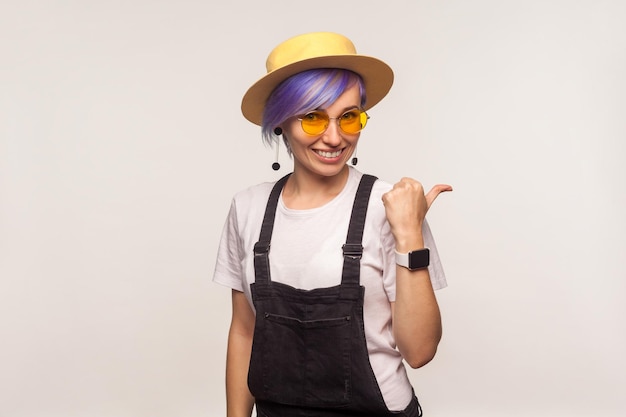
x=304 y=92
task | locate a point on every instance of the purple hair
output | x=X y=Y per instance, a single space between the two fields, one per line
x=306 y=91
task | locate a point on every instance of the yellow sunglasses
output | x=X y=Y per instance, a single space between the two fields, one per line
x=316 y=122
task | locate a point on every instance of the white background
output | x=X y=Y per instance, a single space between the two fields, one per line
x=121 y=144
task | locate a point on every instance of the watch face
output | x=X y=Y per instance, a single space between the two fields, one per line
x=419 y=259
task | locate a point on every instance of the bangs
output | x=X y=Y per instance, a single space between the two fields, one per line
x=306 y=91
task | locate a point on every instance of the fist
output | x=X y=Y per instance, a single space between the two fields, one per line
x=406 y=206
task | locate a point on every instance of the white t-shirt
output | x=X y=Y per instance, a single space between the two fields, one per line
x=306 y=253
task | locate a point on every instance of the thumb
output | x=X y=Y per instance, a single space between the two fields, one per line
x=435 y=191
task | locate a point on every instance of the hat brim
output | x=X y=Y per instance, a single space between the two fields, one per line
x=377 y=77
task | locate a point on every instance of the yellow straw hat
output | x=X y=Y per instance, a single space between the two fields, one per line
x=310 y=51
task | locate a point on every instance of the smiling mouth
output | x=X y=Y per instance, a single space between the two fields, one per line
x=325 y=154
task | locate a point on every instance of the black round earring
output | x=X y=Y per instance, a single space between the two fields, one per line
x=278 y=131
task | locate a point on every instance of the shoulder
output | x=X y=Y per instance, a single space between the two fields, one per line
x=376 y=210
x=253 y=195
x=380 y=186
x=248 y=205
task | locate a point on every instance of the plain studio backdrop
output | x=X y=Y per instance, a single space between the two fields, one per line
x=122 y=143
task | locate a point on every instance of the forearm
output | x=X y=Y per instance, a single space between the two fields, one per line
x=239 y=401
x=416 y=316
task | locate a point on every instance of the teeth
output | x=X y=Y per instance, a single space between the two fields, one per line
x=329 y=154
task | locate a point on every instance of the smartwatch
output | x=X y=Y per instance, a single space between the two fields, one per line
x=417 y=259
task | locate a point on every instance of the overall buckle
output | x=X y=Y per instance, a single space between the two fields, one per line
x=353 y=250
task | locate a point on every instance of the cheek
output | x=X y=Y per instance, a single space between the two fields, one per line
x=293 y=144
x=296 y=138
x=292 y=127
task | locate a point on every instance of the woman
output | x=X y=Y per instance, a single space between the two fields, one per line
x=332 y=282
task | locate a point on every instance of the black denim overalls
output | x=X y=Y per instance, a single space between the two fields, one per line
x=309 y=354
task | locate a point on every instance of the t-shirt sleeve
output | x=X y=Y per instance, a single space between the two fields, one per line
x=229 y=264
x=435 y=269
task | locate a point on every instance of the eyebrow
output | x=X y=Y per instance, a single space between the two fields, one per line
x=344 y=111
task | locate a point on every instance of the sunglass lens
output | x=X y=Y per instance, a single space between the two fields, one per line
x=350 y=121
x=353 y=121
x=314 y=122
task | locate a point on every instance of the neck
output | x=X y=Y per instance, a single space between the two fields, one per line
x=305 y=190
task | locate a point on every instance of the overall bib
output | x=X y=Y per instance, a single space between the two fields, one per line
x=309 y=353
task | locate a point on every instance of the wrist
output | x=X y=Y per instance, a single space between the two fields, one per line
x=408 y=244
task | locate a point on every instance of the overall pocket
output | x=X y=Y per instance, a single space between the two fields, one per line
x=302 y=362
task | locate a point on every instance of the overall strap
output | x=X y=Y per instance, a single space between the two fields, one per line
x=262 y=247
x=353 y=249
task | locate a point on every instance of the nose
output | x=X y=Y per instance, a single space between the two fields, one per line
x=332 y=135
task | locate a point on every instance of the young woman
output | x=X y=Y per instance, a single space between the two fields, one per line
x=332 y=271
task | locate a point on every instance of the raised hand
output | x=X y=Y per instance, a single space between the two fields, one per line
x=406 y=206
